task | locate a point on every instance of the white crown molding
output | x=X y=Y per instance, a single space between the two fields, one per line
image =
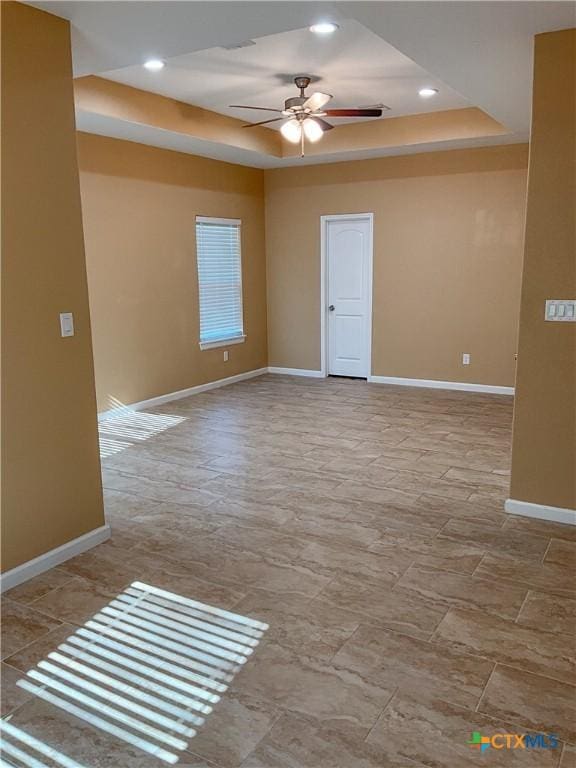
x=161 y=399
x=54 y=557
x=434 y=384
x=541 y=511
x=297 y=372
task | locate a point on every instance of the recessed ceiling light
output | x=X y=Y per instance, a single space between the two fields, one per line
x=154 y=65
x=426 y=93
x=324 y=28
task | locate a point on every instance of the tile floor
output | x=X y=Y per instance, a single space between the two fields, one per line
x=364 y=525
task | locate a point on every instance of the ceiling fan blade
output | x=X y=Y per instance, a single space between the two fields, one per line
x=245 y=106
x=316 y=101
x=262 y=122
x=322 y=123
x=353 y=112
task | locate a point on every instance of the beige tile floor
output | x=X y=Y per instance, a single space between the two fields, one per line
x=364 y=525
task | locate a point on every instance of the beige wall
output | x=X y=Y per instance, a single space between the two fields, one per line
x=139 y=205
x=544 y=447
x=51 y=490
x=448 y=230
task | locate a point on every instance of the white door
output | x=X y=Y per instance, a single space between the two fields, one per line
x=349 y=266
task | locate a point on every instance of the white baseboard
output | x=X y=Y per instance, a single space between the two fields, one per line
x=54 y=557
x=541 y=511
x=161 y=399
x=434 y=384
x=297 y=372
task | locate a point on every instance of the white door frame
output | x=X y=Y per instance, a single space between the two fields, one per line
x=369 y=217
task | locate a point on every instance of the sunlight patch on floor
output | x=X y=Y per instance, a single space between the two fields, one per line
x=147 y=669
x=25 y=749
x=131 y=428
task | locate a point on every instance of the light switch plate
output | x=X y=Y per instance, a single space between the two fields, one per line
x=66 y=324
x=561 y=310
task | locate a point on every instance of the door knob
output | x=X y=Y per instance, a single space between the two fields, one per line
x=331 y=307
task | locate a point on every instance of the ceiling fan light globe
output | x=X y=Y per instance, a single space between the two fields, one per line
x=292 y=131
x=312 y=131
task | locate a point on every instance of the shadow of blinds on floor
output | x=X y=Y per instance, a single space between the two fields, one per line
x=147 y=669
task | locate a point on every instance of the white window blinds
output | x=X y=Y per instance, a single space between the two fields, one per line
x=219 y=279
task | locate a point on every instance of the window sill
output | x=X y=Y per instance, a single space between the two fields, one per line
x=222 y=342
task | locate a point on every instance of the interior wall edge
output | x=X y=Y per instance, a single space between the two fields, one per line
x=51 y=481
x=544 y=422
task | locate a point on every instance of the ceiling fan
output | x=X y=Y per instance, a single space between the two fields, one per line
x=306 y=114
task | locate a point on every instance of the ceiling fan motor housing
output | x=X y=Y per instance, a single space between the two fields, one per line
x=295 y=101
x=302 y=82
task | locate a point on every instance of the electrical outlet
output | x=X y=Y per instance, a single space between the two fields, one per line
x=226 y=356
x=561 y=310
x=465 y=359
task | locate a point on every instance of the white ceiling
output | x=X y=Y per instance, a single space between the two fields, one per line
x=110 y=34
x=356 y=66
x=480 y=50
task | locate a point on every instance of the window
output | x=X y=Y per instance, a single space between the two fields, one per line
x=219 y=281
